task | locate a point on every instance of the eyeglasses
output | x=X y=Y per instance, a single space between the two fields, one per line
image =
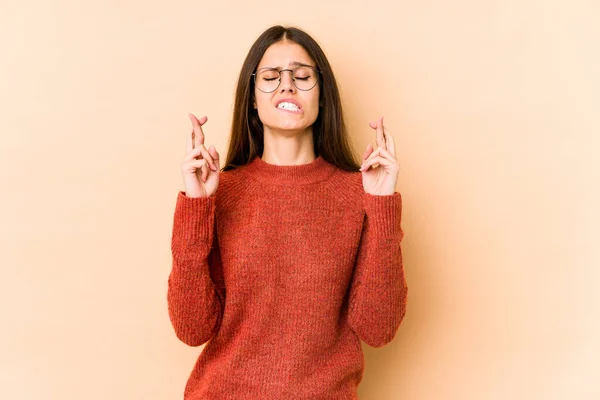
x=268 y=79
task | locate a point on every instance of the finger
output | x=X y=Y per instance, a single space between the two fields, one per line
x=193 y=154
x=204 y=173
x=198 y=132
x=206 y=155
x=374 y=154
x=390 y=145
x=198 y=163
x=380 y=152
x=368 y=151
x=379 y=135
x=215 y=155
x=373 y=125
x=377 y=160
x=201 y=165
x=202 y=151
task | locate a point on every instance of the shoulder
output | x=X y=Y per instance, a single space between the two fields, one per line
x=352 y=180
x=231 y=185
x=347 y=186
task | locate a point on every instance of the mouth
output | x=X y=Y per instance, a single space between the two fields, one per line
x=289 y=105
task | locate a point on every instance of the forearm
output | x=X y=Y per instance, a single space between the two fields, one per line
x=378 y=294
x=195 y=307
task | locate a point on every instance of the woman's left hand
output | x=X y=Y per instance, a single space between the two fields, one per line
x=380 y=179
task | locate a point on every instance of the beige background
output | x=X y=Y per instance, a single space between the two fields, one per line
x=495 y=109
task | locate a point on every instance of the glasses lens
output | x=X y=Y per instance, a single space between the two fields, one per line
x=267 y=79
x=305 y=78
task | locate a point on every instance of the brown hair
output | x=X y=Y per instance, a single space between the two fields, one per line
x=330 y=136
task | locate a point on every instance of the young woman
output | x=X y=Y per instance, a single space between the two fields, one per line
x=288 y=255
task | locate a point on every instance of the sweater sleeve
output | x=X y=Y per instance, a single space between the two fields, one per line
x=378 y=292
x=195 y=303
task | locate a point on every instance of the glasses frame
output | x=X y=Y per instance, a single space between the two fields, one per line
x=293 y=79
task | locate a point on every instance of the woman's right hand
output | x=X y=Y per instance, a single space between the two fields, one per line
x=200 y=168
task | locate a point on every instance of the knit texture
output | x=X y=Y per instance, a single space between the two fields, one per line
x=281 y=273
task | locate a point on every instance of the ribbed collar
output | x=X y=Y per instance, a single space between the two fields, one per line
x=312 y=172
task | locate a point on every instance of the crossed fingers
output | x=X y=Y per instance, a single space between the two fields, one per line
x=385 y=153
x=195 y=142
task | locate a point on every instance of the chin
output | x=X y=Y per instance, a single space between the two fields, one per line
x=291 y=126
x=286 y=125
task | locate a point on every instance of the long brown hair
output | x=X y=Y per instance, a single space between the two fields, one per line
x=330 y=136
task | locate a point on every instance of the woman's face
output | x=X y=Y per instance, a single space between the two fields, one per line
x=274 y=114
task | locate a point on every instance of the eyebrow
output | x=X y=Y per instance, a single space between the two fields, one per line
x=293 y=63
x=297 y=63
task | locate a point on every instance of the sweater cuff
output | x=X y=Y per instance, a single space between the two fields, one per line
x=384 y=215
x=194 y=219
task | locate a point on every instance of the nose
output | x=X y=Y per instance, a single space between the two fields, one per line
x=287 y=81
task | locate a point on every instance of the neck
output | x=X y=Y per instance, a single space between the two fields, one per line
x=288 y=147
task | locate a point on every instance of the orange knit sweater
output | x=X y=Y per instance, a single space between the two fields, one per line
x=282 y=271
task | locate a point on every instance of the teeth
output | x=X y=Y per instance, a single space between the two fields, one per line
x=288 y=106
